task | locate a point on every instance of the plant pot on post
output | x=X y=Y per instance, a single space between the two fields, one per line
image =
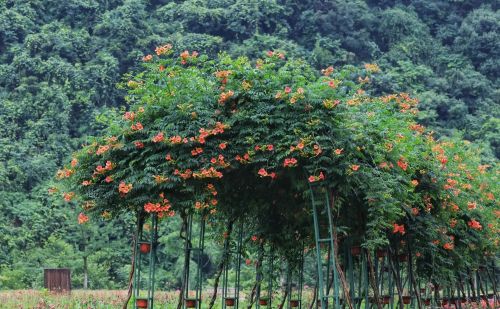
x=355 y=251
x=230 y=301
x=141 y=302
x=191 y=302
x=406 y=300
x=144 y=247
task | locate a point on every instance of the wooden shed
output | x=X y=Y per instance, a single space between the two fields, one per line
x=57 y=279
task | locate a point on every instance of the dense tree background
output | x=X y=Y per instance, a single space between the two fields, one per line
x=60 y=62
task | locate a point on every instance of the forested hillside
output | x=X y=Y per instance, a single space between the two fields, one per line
x=60 y=62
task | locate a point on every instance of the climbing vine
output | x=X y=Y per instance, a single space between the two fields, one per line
x=235 y=138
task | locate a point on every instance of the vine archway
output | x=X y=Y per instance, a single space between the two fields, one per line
x=277 y=144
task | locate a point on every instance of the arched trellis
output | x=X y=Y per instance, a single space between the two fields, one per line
x=392 y=266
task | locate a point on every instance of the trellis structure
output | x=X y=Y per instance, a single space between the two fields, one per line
x=236 y=138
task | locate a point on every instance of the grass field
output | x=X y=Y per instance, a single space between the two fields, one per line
x=78 y=299
x=109 y=299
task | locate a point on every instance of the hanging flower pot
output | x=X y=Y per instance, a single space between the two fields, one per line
x=427 y=301
x=144 y=247
x=403 y=257
x=230 y=301
x=294 y=303
x=191 y=303
x=381 y=253
x=141 y=302
x=263 y=301
x=406 y=300
x=355 y=251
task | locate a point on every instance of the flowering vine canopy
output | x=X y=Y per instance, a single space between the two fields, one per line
x=234 y=138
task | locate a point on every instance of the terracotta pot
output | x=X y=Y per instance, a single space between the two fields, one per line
x=355 y=251
x=263 y=301
x=386 y=300
x=403 y=257
x=141 y=302
x=294 y=303
x=427 y=301
x=191 y=303
x=144 y=247
x=381 y=253
x=229 y=302
x=406 y=300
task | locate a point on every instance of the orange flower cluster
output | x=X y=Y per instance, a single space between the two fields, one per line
x=290 y=162
x=158 y=138
x=137 y=126
x=139 y=144
x=82 y=218
x=402 y=164
x=160 y=50
x=271 y=53
x=314 y=178
x=204 y=133
x=68 y=196
x=244 y=159
x=328 y=71
x=129 y=116
x=398 y=229
x=185 y=56
x=219 y=161
x=124 y=188
x=223 y=75
x=473 y=224
x=263 y=173
x=102 y=149
x=417 y=128
x=101 y=170
x=224 y=96
x=210 y=172
x=196 y=151
x=211 y=189
x=158 y=207
x=449 y=246
x=147 y=58
x=264 y=147
x=65 y=173
x=175 y=139
x=372 y=67
x=184 y=175
x=471 y=205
